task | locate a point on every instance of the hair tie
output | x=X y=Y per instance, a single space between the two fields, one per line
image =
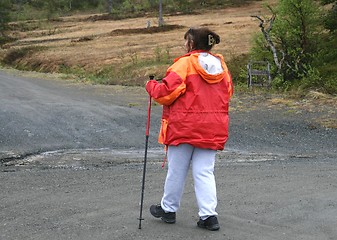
x=211 y=40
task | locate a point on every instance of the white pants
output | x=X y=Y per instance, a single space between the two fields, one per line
x=179 y=160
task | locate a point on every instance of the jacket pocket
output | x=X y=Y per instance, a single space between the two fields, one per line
x=162 y=132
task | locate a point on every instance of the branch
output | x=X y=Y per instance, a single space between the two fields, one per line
x=268 y=38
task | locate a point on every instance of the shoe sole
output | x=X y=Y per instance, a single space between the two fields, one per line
x=169 y=221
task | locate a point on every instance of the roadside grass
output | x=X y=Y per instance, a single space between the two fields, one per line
x=132 y=71
x=14 y=58
x=320 y=108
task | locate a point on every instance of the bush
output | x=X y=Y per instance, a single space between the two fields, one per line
x=237 y=66
x=329 y=79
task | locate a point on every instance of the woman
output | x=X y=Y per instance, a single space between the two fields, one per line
x=195 y=94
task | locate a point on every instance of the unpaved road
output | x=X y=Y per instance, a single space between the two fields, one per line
x=71 y=165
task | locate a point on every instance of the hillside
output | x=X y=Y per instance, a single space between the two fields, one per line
x=83 y=43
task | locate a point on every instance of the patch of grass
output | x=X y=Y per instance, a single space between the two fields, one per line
x=237 y=65
x=328 y=122
x=317 y=95
x=6 y=39
x=282 y=101
x=135 y=73
x=14 y=57
x=133 y=104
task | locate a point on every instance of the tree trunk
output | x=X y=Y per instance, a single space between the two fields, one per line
x=160 y=21
x=268 y=39
x=110 y=6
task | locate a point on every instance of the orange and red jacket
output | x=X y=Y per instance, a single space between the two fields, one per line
x=195 y=103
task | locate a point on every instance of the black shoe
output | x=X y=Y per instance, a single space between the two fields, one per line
x=158 y=212
x=210 y=223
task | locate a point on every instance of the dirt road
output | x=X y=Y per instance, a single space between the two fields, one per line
x=71 y=164
x=47 y=115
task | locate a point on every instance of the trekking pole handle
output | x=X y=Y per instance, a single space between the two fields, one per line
x=149 y=111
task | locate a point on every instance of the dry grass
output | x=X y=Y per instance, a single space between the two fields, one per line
x=75 y=41
x=316 y=108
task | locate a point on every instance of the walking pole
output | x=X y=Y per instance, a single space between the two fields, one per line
x=145 y=158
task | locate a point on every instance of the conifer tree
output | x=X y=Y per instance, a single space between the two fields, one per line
x=5 y=8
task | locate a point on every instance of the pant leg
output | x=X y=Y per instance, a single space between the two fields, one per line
x=204 y=181
x=179 y=158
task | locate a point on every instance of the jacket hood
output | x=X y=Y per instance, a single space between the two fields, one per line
x=211 y=67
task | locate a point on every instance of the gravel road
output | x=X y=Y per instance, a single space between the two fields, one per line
x=71 y=166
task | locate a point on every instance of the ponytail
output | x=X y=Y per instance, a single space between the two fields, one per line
x=202 y=38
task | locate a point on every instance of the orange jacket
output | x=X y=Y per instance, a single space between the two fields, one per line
x=195 y=94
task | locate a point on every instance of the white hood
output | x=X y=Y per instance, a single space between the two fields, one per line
x=210 y=63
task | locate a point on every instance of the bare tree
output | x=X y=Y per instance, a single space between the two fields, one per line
x=294 y=38
x=266 y=26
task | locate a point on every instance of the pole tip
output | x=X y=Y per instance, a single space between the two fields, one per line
x=140 y=223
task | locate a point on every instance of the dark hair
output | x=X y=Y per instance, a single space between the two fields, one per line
x=203 y=38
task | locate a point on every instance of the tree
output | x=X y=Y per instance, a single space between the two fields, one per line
x=110 y=6
x=160 y=20
x=5 y=8
x=294 y=34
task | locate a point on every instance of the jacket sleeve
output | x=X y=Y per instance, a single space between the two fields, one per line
x=172 y=86
x=230 y=84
